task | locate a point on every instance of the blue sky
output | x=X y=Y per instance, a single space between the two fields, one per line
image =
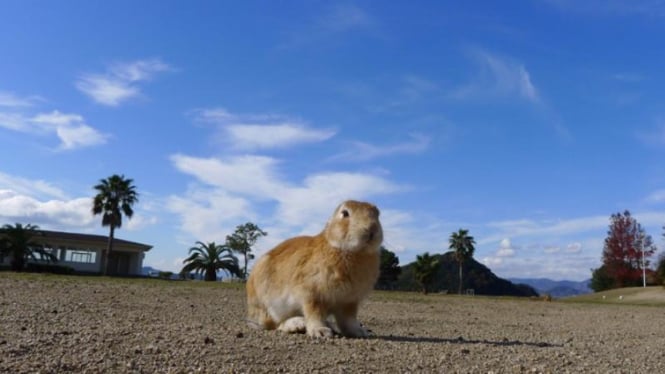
x=527 y=124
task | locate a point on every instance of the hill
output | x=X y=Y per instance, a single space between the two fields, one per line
x=476 y=276
x=554 y=288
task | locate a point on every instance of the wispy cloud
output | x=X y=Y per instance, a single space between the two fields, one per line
x=121 y=81
x=344 y=17
x=338 y=19
x=261 y=131
x=30 y=187
x=646 y=8
x=628 y=77
x=8 y=99
x=361 y=151
x=498 y=76
x=71 y=129
x=654 y=136
x=531 y=228
x=274 y=136
x=656 y=197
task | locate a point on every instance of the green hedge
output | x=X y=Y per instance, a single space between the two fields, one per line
x=48 y=268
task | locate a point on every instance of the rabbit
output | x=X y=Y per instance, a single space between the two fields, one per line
x=297 y=285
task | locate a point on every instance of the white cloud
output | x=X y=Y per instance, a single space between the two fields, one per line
x=209 y=214
x=335 y=21
x=320 y=193
x=567 y=267
x=506 y=249
x=645 y=8
x=344 y=17
x=79 y=136
x=105 y=90
x=8 y=99
x=654 y=136
x=70 y=129
x=243 y=175
x=261 y=131
x=139 y=70
x=15 y=122
x=574 y=247
x=499 y=77
x=120 y=82
x=30 y=187
x=656 y=196
x=529 y=228
x=42 y=203
x=231 y=190
x=54 y=214
x=361 y=151
x=274 y=136
x=57 y=119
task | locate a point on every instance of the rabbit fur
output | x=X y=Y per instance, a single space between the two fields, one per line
x=303 y=281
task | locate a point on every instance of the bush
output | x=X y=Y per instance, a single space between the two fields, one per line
x=165 y=274
x=48 y=268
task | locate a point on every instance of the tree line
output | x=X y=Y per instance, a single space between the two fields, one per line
x=626 y=257
x=425 y=267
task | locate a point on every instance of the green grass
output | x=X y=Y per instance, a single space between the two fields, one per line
x=650 y=296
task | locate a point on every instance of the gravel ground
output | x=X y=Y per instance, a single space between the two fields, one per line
x=54 y=324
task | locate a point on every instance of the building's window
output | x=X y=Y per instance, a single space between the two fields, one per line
x=47 y=249
x=80 y=255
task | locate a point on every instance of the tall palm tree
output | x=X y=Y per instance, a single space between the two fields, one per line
x=209 y=258
x=115 y=197
x=17 y=243
x=462 y=244
x=424 y=269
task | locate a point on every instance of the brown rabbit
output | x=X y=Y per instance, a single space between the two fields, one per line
x=300 y=283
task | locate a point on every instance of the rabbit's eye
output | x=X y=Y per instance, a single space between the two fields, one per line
x=345 y=213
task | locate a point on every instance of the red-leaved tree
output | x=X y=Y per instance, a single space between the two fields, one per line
x=622 y=254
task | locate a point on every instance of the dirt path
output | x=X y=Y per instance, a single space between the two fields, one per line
x=53 y=324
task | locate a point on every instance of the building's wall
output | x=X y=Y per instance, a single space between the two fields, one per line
x=77 y=253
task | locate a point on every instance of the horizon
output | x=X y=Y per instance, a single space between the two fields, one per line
x=529 y=125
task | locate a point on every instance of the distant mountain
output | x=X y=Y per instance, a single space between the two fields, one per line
x=562 y=288
x=476 y=276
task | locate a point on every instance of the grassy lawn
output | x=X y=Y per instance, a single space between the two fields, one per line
x=650 y=296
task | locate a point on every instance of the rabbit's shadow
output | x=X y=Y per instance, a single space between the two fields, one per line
x=461 y=340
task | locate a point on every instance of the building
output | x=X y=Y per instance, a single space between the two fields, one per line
x=83 y=252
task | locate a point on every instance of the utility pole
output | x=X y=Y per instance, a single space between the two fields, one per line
x=644 y=270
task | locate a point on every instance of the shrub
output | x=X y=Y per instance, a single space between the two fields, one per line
x=165 y=274
x=48 y=268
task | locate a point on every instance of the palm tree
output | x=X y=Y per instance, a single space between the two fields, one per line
x=462 y=244
x=210 y=258
x=17 y=243
x=424 y=269
x=115 y=197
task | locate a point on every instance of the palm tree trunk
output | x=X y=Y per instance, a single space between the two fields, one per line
x=211 y=275
x=460 y=277
x=109 y=249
